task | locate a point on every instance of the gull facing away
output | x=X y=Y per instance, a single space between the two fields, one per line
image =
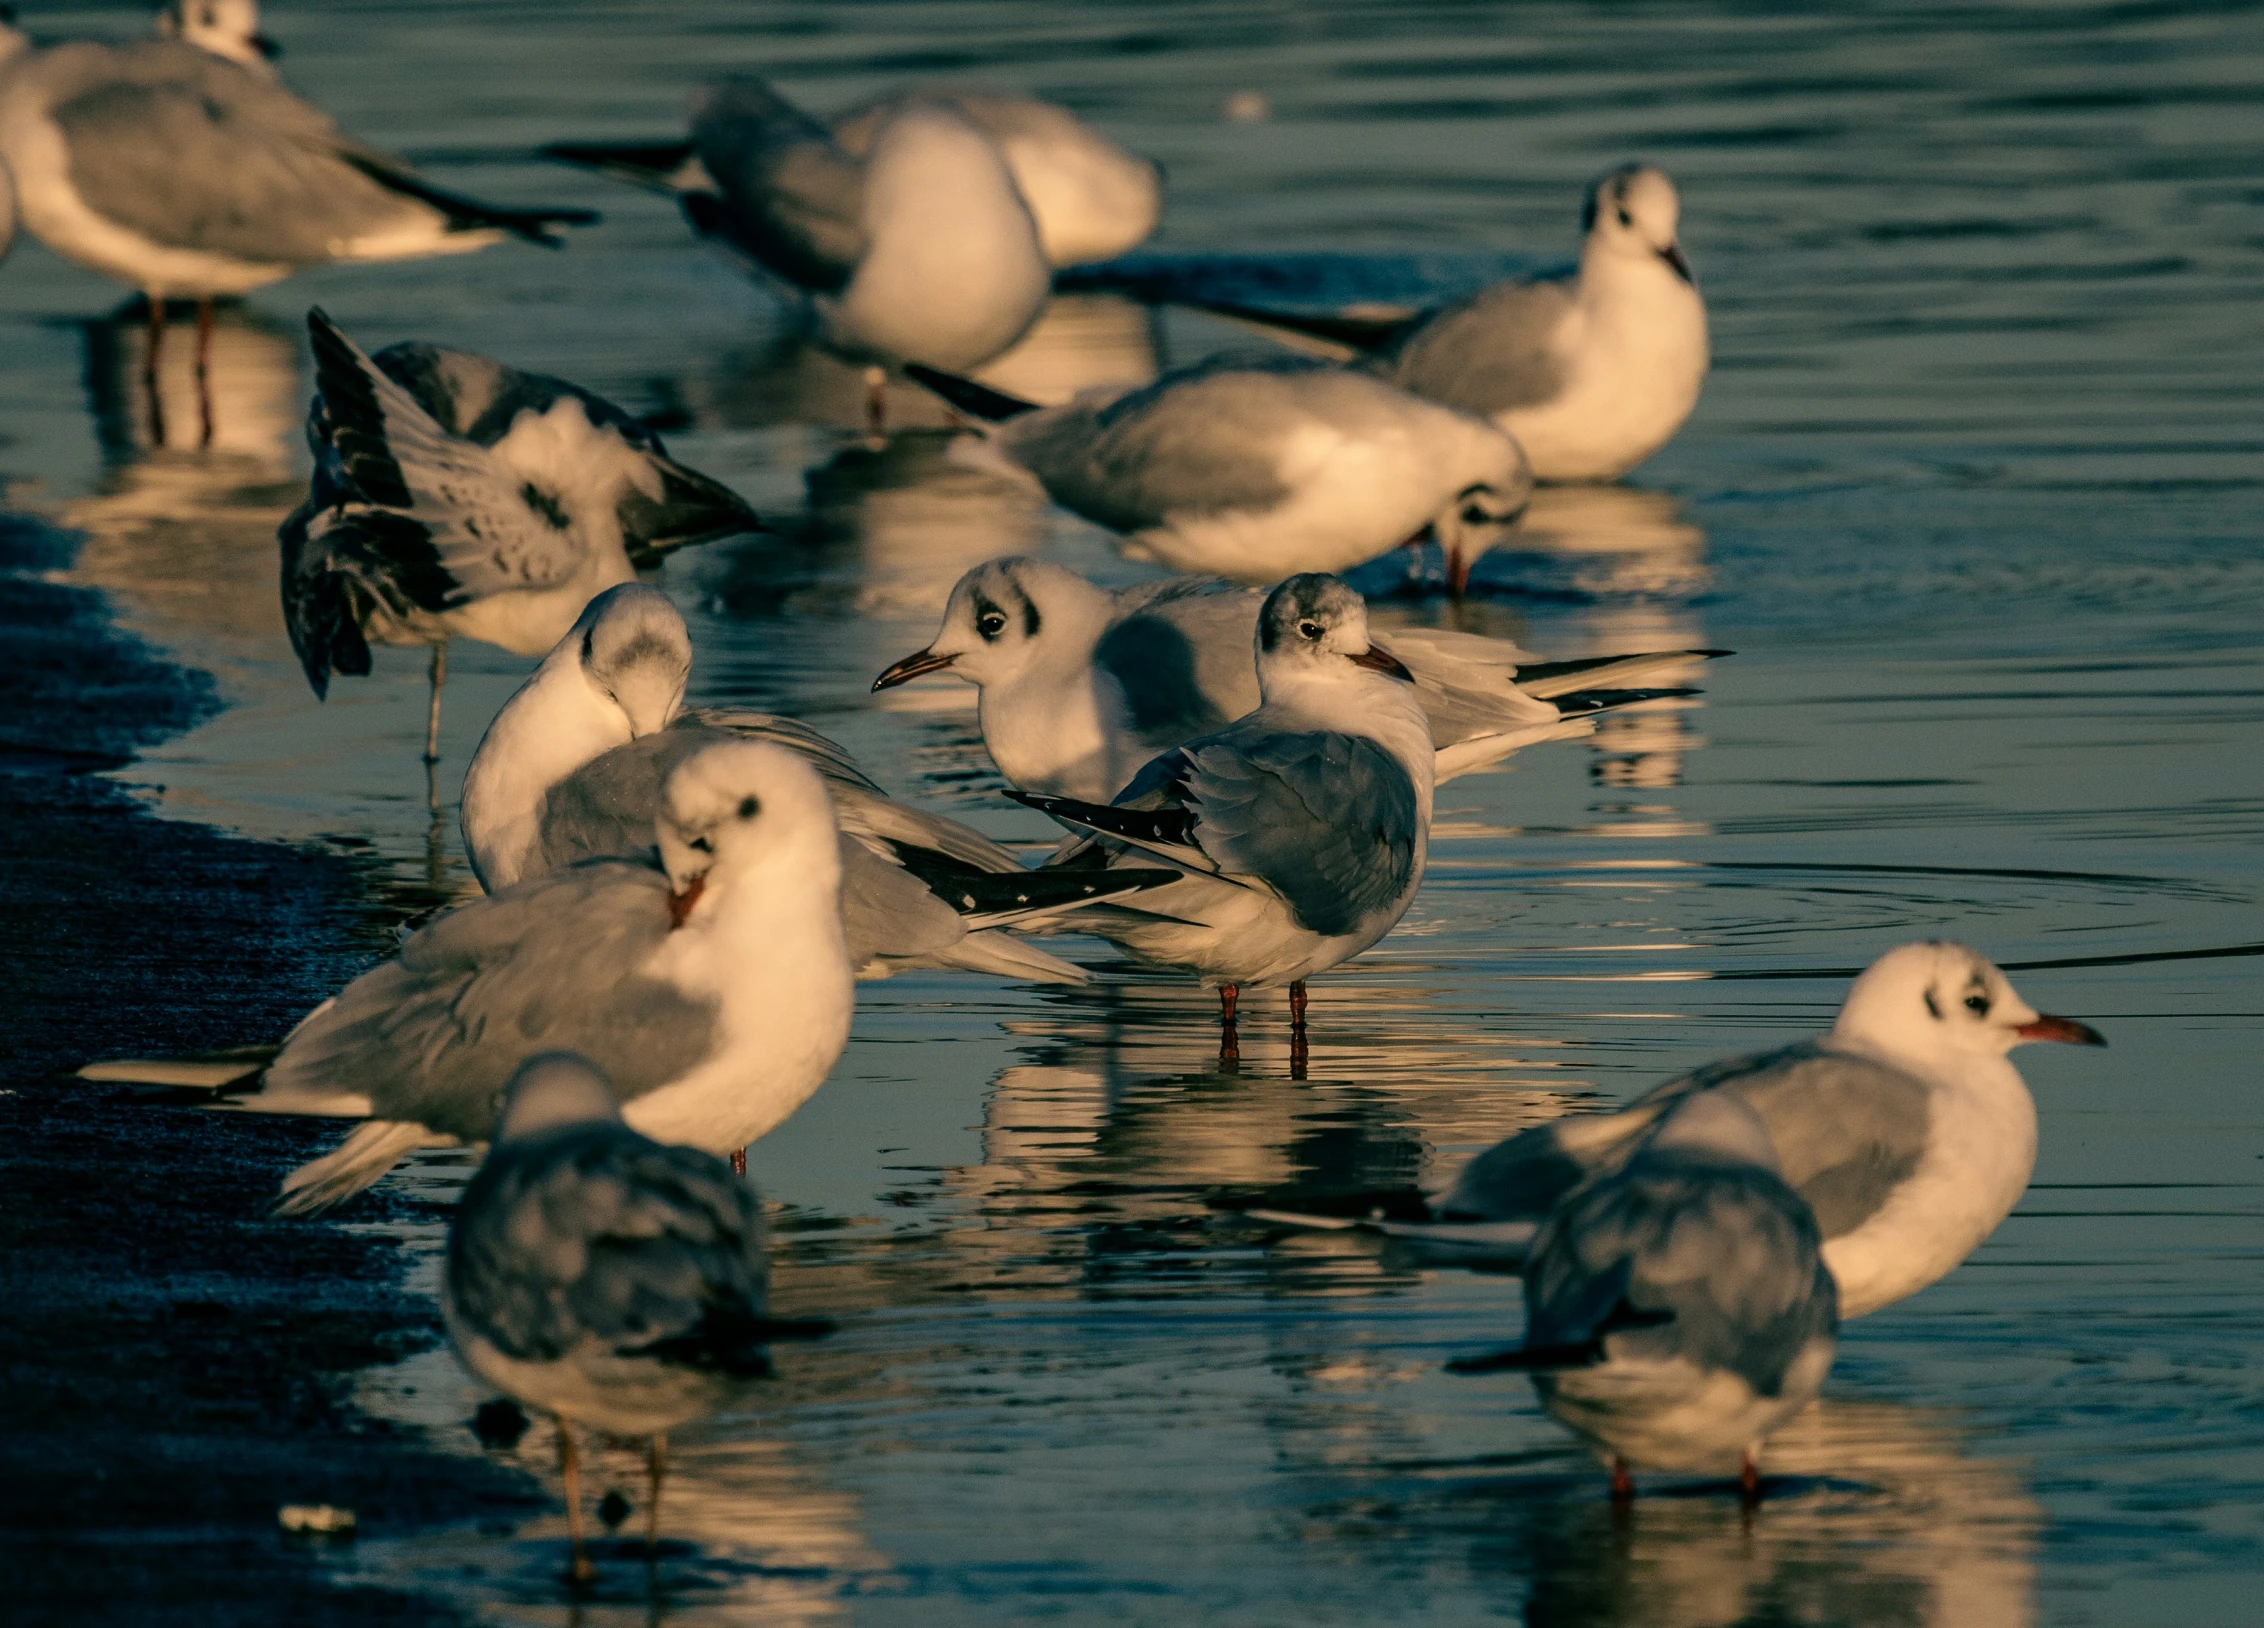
x=226 y=28
x=611 y=1280
x=712 y=988
x=1591 y=371
x=185 y=174
x=1257 y=467
x=1302 y=827
x=917 y=247
x=455 y=496
x=1081 y=686
x=1678 y=1309
x=573 y=765
x=1905 y=1127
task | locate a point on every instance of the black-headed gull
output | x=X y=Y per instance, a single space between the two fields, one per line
x=1678 y=1309
x=1904 y=1126
x=186 y=175
x=573 y=765
x=454 y=496
x=1255 y=467
x=1082 y=685
x=1303 y=827
x=611 y=1280
x=1592 y=371
x=226 y=28
x=713 y=988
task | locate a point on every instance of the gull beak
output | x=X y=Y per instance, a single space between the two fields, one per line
x=266 y=46
x=2065 y=1030
x=680 y=904
x=1672 y=254
x=1377 y=659
x=1422 y=534
x=691 y=509
x=911 y=667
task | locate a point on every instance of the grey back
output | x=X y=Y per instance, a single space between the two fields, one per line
x=1486 y=353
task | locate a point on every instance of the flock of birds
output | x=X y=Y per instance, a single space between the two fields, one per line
x=679 y=902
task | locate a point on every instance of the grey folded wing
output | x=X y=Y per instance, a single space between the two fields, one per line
x=595 y=1233
x=433 y=1036
x=790 y=197
x=1490 y=352
x=1467 y=683
x=1181 y=652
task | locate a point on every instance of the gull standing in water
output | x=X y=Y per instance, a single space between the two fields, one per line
x=187 y=175
x=713 y=988
x=1678 y=1310
x=1257 y=467
x=1081 y=686
x=918 y=248
x=573 y=765
x=1592 y=371
x=616 y=1282
x=1905 y=1128
x=1302 y=827
x=455 y=496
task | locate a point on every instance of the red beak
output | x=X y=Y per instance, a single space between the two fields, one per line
x=1377 y=659
x=680 y=904
x=911 y=667
x=2065 y=1030
x=1672 y=254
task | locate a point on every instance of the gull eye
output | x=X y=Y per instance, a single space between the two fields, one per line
x=700 y=845
x=749 y=808
x=1310 y=630
x=1472 y=515
x=1978 y=1005
x=1625 y=219
x=991 y=624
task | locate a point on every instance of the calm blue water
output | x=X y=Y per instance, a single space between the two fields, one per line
x=1974 y=493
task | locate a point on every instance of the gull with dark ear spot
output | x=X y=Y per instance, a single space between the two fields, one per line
x=1256 y=467
x=226 y=28
x=615 y=1282
x=1905 y=1128
x=1678 y=1309
x=1082 y=685
x=454 y=496
x=573 y=765
x=1302 y=828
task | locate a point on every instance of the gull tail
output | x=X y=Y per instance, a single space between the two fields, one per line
x=1402 y=1213
x=1004 y=956
x=354 y=1164
x=239 y=1066
x=1484 y=751
x=1354 y=331
x=660 y=166
x=468 y=214
x=1168 y=833
x=975 y=400
x=1547 y=680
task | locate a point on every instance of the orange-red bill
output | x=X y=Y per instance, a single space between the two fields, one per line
x=911 y=667
x=2065 y=1030
x=1378 y=659
x=680 y=904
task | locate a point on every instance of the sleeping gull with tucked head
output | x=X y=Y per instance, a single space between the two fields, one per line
x=615 y=1282
x=1678 y=1309
x=454 y=496
x=1081 y=686
x=713 y=988
x=1904 y=1127
x=573 y=765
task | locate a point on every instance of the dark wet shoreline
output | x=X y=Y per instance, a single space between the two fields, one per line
x=174 y=1365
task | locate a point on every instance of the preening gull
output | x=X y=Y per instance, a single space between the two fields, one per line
x=610 y=1279
x=1592 y=371
x=1081 y=686
x=1678 y=1309
x=1257 y=467
x=455 y=496
x=573 y=764
x=1905 y=1128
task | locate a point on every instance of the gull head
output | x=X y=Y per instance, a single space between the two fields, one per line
x=635 y=650
x=1004 y=618
x=588 y=478
x=1632 y=214
x=1924 y=1000
x=1482 y=514
x=552 y=1090
x=741 y=807
x=1313 y=626
x=226 y=28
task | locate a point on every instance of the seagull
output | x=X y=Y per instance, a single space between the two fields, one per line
x=1905 y=1127
x=918 y=248
x=226 y=28
x=713 y=987
x=1302 y=827
x=167 y=166
x=1081 y=686
x=1678 y=1309
x=1592 y=370
x=573 y=765
x=455 y=496
x=1257 y=467
x=610 y=1279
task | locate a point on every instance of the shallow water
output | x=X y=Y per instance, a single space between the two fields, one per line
x=1973 y=493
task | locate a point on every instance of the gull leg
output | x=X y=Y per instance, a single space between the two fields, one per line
x=1749 y=1481
x=1228 y=996
x=204 y=368
x=876 y=402
x=657 y=1464
x=571 y=1468
x=150 y=354
x=1623 y=1483
x=1457 y=571
x=739 y=1161
x=439 y=676
x=1297 y=1003
x=1300 y=1053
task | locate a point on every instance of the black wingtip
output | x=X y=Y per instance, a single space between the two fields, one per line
x=1582 y=703
x=976 y=400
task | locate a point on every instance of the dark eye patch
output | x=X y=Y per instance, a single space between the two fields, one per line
x=1933 y=1006
x=990 y=621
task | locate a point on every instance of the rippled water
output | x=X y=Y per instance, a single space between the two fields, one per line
x=1974 y=493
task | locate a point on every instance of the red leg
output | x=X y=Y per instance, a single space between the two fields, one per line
x=1457 y=571
x=1623 y=1483
x=739 y=1162
x=657 y=1464
x=1297 y=1003
x=1228 y=996
x=204 y=368
x=571 y=1468
x=876 y=402
x=1749 y=1480
x=150 y=357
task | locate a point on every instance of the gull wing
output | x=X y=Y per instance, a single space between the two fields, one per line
x=789 y=196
